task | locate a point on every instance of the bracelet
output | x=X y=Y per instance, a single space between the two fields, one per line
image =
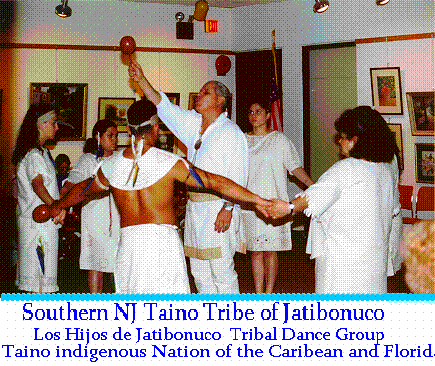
x=291 y=206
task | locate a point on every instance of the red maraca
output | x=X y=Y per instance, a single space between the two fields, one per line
x=41 y=213
x=127 y=45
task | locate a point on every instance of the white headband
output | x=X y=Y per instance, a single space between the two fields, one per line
x=45 y=117
x=152 y=121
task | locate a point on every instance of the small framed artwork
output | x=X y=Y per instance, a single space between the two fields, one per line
x=386 y=90
x=174 y=99
x=71 y=100
x=396 y=128
x=424 y=163
x=115 y=109
x=192 y=97
x=421 y=112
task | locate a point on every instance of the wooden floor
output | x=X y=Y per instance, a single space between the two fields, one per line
x=296 y=273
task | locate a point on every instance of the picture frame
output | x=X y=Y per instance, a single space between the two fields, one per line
x=421 y=112
x=396 y=128
x=424 y=163
x=386 y=90
x=115 y=109
x=71 y=99
x=174 y=98
x=192 y=97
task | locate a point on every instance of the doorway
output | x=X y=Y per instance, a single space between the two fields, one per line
x=329 y=88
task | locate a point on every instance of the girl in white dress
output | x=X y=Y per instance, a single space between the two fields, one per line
x=354 y=207
x=100 y=225
x=271 y=155
x=37 y=184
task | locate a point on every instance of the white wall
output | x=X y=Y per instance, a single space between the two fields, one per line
x=151 y=25
x=297 y=25
x=415 y=59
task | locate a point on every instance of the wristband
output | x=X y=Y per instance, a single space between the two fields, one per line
x=291 y=206
x=228 y=207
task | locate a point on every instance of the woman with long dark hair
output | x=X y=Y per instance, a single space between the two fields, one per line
x=36 y=184
x=356 y=223
x=100 y=226
x=271 y=156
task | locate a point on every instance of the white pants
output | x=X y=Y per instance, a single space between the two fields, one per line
x=212 y=276
x=215 y=276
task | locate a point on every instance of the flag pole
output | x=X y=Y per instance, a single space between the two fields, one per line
x=274 y=58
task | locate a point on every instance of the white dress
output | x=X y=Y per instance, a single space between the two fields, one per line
x=31 y=234
x=354 y=206
x=270 y=157
x=98 y=243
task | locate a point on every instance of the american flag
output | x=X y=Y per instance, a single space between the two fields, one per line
x=275 y=107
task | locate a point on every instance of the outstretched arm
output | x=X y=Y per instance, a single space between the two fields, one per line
x=136 y=73
x=280 y=208
x=219 y=184
x=78 y=194
x=303 y=177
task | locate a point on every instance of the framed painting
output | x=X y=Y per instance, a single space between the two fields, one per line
x=421 y=112
x=396 y=128
x=424 y=163
x=174 y=99
x=386 y=90
x=192 y=97
x=115 y=109
x=71 y=100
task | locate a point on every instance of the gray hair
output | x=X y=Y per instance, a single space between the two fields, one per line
x=222 y=91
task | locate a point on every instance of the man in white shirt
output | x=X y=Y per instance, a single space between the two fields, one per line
x=216 y=144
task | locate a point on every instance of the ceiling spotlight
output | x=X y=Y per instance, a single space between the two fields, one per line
x=320 y=6
x=63 y=10
x=382 y=2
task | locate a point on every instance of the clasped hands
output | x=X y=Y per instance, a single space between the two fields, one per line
x=274 y=208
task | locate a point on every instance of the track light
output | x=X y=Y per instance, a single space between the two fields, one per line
x=63 y=10
x=320 y=6
x=382 y=2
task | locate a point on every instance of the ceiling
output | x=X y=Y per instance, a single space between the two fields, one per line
x=214 y=3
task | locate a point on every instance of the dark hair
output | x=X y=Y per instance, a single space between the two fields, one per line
x=376 y=142
x=262 y=102
x=139 y=112
x=28 y=134
x=60 y=159
x=100 y=126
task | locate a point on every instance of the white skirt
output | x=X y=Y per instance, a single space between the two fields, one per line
x=151 y=260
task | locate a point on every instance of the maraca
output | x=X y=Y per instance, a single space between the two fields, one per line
x=41 y=213
x=127 y=45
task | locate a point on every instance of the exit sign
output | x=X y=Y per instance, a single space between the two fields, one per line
x=211 y=26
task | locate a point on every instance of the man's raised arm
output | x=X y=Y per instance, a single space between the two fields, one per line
x=136 y=73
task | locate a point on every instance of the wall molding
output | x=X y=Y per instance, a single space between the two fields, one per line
x=404 y=37
x=113 y=48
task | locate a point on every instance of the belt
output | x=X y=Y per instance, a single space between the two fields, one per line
x=202 y=197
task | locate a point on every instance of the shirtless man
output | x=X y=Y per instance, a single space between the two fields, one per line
x=150 y=258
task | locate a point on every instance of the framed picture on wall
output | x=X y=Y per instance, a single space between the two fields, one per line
x=424 y=163
x=115 y=109
x=386 y=90
x=71 y=99
x=192 y=97
x=421 y=112
x=396 y=128
x=174 y=99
